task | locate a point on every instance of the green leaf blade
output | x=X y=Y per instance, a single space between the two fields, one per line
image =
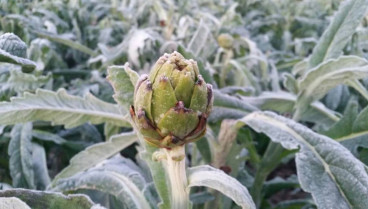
x=217 y=179
x=20 y=152
x=41 y=200
x=339 y=31
x=116 y=177
x=318 y=81
x=325 y=168
x=12 y=202
x=60 y=108
x=123 y=80
x=96 y=154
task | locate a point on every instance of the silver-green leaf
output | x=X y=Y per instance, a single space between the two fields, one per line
x=117 y=176
x=318 y=81
x=20 y=82
x=326 y=169
x=97 y=153
x=123 y=80
x=108 y=182
x=61 y=109
x=338 y=33
x=42 y=178
x=20 y=152
x=41 y=199
x=14 y=50
x=216 y=179
x=12 y=203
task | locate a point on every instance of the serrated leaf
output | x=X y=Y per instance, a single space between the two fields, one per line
x=12 y=44
x=97 y=153
x=338 y=33
x=334 y=177
x=216 y=179
x=25 y=63
x=41 y=200
x=109 y=182
x=14 y=50
x=20 y=82
x=318 y=81
x=20 y=152
x=123 y=80
x=12 y=203
x=117 y=176
x=60 y=108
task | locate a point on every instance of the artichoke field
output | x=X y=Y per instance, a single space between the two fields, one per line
x=134 y=104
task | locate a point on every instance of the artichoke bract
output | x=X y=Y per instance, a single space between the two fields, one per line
x=172 y=103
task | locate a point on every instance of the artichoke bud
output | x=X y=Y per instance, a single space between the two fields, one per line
x=172 y=103
x=225 y=40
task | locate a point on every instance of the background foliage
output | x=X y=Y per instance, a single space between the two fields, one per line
x=63 y=128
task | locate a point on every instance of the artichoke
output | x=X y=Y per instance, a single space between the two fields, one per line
x=172 y=103
x=225 y=40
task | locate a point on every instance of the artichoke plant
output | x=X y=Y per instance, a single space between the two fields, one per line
x=172 y=103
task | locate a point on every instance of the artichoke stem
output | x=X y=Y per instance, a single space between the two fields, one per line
x=175 y=168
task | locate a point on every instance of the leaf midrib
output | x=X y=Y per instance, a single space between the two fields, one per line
x=78 y=111
x=302 y=140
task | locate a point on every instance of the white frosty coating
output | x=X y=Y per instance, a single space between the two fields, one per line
x=118 y=177
x=137 y=42
x=325 y=168
x=59 y=108
x=216 y=179
x=12 y=203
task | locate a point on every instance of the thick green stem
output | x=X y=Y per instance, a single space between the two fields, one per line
x=175 y=167
x=270 y=160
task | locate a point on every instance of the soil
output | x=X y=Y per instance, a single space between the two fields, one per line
x=285 y=171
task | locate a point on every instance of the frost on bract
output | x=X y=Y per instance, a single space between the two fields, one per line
x=172 y=103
